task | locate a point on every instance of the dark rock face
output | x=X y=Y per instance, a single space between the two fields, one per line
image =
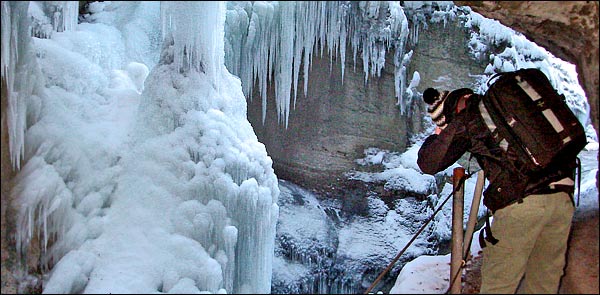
x=332 y=124
x=442 y=57
x=337 y=120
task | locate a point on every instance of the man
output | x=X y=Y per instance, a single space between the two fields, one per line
x=531 y=217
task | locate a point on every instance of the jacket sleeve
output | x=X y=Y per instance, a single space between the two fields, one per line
x=438 y=152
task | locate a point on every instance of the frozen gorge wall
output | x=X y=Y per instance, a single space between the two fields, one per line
x=351 y=99
x=357 y=73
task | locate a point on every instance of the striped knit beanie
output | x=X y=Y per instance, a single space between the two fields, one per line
x=436 y=100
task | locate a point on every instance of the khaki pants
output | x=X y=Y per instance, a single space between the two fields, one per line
x=532 y=242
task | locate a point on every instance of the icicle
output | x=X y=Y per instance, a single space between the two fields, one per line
x=403 y=67
x=44 y=209
x=285 y=59
x=69 y=13
x=230 y=235
x=298 y=46
x=198 y=33
x=343 y=39
x=62 y=15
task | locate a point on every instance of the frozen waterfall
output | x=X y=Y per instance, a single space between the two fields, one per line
x=164 y=189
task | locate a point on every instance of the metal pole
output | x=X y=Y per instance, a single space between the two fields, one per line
x=473 y=213
x=457 y=231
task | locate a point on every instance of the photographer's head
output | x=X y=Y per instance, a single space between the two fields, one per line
x=435 y=100
x=431 y=95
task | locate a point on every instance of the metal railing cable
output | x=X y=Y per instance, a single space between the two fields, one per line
x=461 y=181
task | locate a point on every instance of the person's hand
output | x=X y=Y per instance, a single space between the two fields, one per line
x=438 y=130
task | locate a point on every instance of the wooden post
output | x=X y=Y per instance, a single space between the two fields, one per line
x=473 y=213
x=457 y=231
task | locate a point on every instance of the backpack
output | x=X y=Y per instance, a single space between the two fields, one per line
x=531 y=121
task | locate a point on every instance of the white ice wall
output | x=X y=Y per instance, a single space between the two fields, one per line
x=175 y=196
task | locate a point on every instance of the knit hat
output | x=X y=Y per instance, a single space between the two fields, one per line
x=436 y=100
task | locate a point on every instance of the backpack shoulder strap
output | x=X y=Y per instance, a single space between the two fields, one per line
x=493 y=78
x=488 y=233
x=578 y=161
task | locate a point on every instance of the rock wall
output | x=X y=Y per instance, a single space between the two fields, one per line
x=337 y=120
x=442 y=58
x=332 y=125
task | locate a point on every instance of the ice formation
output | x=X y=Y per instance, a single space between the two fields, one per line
x=135 y=181
x=287 y=34
x=18 y=77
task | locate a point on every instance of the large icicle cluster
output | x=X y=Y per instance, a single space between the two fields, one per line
x=43 y=193
x=16 y=76
x=53 y=16
x=275 y=38
x=43 y=209
x=16 y=54
x=198 y=44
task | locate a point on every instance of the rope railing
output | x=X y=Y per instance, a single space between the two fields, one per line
x=459 y=183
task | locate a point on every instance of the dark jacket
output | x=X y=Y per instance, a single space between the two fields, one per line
x=468 y=132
